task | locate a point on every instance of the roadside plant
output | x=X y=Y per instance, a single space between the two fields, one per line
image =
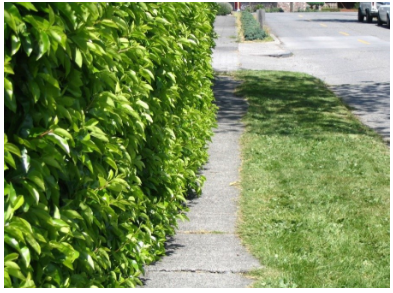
x=251 y=27
x=224 y=8
x=108 y=108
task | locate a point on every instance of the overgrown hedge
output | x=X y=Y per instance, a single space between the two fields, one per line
x=251 y=28
x=108 y=107
x=224 y=8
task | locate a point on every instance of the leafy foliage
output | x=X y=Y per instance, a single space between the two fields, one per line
x=224 y=8
x=251 y=28
x=108 y=107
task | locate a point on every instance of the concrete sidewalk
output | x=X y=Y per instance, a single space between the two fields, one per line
x=231 y=55
x=206 y=252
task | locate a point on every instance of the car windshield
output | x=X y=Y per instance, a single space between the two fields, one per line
x=383 y=3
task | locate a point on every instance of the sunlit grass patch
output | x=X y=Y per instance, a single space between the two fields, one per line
x=315 y=187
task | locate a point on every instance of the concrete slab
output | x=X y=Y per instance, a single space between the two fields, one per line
x=225 y=54
x=195 y=280
x=205 y=252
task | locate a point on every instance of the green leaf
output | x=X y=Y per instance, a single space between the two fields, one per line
x=11 y=242
x=91 y=145
x=58 y=35
x=43 y=44
x=172 y=77
x=13 y=231
x=33 y=243
x=49 y=160
x=18 y=202
x=63 y=133
x=9 y=159
x=108 y=22
x=11 y=257
x=9 y=98
x=59 y=223
x=35 y=90
x=146 y=73
x=8 y=68
x=13 y=149
x=86 y=212
x=14 y=270
x=60 y=142
x=36 y=177
x=25 y=160
x=78 y=57
x=71 y=214
x=115 y=187
x=98 y=133
x=25 y=254
x=15 y=44
x=49 y=79
x=111 y=162
x=11 y=16
x=102 y=181
x=27 y=5
x=22 y=225
x=7 y=280
x=9 y=20
x=27 y=44
x=34 y=193
x=89 y=260
x=51 y=15
x=142 y=104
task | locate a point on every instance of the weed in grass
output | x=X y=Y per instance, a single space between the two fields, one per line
x=315 y=186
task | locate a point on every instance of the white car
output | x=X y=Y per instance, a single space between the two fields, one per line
x=369 y=10
x=384 y=15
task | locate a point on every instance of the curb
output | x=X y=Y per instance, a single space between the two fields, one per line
x=279 y=55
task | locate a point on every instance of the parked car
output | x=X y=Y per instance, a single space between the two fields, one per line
x=384 y=15
x=369 y=10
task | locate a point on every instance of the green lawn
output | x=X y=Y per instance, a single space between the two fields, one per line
x=315 y=206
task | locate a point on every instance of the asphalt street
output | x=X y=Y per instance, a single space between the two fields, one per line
x=335 y=46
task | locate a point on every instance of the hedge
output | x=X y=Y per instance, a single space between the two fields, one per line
x=251 y=27
x=224 y=8
x=108 y=109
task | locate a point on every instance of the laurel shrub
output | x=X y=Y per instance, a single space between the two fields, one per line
x=108 y=109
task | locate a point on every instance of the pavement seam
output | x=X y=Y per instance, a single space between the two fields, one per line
x=205 y=232
x=241 y=272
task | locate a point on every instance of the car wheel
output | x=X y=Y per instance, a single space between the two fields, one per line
x=379 y=20
x=360 y=15
x=369 y=18
x=388 y=21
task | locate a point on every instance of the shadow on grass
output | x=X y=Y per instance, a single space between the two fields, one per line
x=295 y=104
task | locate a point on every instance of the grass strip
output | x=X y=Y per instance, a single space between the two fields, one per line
x=315 y=206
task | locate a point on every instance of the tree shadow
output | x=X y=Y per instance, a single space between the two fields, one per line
x=231 y=108
x=297 y=105
x=170 y=248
